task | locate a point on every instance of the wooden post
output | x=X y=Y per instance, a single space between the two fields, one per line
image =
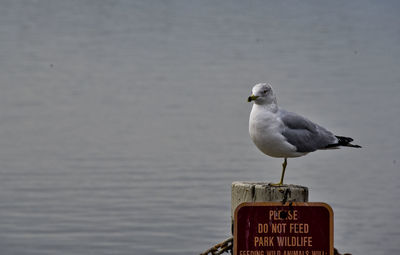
x=263 y=192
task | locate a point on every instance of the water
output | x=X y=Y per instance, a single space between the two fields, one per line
x=123 y=123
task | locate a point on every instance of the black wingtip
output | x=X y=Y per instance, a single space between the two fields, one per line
x=344 y=141
x=353 y=145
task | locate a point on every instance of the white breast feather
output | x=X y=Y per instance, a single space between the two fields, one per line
x=266 y=136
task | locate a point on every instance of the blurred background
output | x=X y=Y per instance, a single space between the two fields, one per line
x=124 y=123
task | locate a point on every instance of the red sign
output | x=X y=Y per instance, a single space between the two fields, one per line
x=274 y=229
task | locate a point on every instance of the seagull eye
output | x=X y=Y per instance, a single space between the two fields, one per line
x=265 y=91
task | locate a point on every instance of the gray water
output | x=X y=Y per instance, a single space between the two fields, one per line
x=124 y=123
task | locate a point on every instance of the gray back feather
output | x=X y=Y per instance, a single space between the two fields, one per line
x=304 y=134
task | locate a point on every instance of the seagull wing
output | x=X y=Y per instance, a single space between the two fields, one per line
x=305 y=135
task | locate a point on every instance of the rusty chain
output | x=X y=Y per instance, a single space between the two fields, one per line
x=225 y=246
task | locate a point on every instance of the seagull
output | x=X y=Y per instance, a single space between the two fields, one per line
x=282 y=134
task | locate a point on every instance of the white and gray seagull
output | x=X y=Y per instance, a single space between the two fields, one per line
x=282 y=134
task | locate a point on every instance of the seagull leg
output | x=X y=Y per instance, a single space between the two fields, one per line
x=284 y=164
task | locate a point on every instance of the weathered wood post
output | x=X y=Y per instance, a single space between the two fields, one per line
x=317 y=219
x=263 y=192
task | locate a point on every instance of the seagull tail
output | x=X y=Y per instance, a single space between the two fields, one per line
x=343 y=141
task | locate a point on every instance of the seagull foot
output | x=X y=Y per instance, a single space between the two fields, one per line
x=276 y=184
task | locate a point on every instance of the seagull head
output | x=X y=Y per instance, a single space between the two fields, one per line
x=262 y=94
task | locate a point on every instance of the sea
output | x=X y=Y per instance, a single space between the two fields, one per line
x=123 y=123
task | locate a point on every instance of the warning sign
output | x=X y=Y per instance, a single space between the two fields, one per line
x=274 y=229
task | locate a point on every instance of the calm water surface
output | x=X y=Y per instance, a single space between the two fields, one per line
x=123 y=123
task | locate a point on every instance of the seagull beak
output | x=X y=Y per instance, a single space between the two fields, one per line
x=251 y=98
